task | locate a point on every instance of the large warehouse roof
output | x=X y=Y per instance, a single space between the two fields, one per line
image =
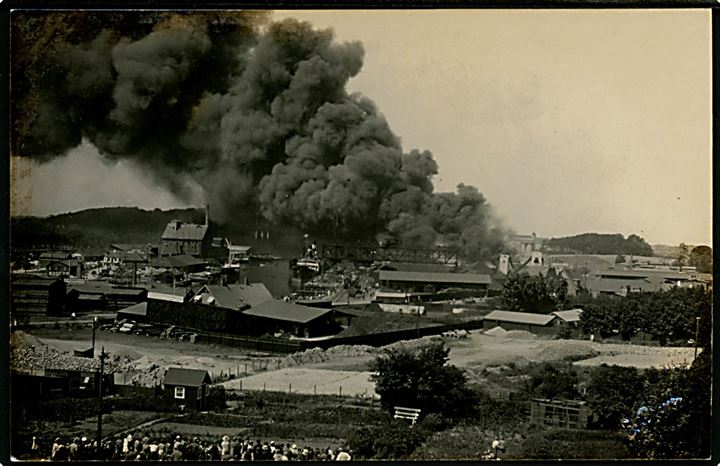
x=435 y=277
x=281 y=310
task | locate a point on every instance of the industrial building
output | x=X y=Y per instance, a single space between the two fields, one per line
x=37 y=294
x=432 y=281
x=187 y=238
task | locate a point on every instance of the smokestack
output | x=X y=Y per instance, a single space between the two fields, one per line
x=207 y=214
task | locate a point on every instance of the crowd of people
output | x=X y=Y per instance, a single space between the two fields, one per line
x=177 y=448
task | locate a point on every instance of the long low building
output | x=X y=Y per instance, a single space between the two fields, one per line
x=509 y=320
x=268 y=318
x=432 y=281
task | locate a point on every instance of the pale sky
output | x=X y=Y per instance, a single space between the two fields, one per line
x=567 y=121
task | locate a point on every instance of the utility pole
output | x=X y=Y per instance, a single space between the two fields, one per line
x=697 y=333
x=103 y=356
x=95 y=319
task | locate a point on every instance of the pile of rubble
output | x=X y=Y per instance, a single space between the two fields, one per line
x=28 y=354
x=316 y=355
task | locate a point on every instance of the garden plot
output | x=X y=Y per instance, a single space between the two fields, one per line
x=308 y=382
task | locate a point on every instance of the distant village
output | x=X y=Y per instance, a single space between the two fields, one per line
x=199 y=283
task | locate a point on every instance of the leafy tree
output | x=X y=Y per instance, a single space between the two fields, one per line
x=612 y=392
x=673 y=417
x=421 y=378
x=534 y=294
x=701 y=258
x=595 y=243
x=683 y=255
x=667 y=316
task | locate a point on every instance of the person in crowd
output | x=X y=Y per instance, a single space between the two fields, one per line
x=344 y=455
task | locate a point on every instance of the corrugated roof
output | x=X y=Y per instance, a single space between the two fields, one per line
x=235 y=296
x=571 y=315
x=430 y=277
x=186 y=377
x=291 y=312
x=176 y=230
x=520 y=317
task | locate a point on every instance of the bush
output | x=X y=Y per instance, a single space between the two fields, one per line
x=572 y=444
x=392 y=441
x=420 y=378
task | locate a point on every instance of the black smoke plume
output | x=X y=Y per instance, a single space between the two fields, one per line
x=255 y=112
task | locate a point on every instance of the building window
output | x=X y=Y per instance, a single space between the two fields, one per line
x=180 y=393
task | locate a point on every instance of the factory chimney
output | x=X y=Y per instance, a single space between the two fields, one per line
x=207 y=214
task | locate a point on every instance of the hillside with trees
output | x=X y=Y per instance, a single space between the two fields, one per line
x=598 y=243
x=97 y=226
x=131 y=225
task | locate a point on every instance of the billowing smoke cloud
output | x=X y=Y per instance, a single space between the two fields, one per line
x=254 y=112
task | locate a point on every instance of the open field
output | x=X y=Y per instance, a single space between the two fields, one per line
x=308 y=381
x=335 y=366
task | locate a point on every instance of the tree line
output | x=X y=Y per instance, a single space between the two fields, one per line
x=672 y=316
x=597 y=243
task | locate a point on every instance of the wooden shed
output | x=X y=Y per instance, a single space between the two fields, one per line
x=566 y=414
x=187 y=387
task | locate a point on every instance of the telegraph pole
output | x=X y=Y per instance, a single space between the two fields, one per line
x=103 y=356
x=697 y=333
x=93 y=340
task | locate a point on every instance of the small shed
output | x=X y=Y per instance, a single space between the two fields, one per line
x=187 y=388
x=570 y=320
x=509 y=320
x=566 y=414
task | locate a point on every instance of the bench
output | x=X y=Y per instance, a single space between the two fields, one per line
x=407 y=413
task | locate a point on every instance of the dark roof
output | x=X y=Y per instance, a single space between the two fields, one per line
x=186 y=377
x=520 y=317
x=430 y=277
x=92 y=252
x=129 y=256
x=645 y=273
x=413 y=267
x=33 y=281
x=235 y=296
x=128 y=247
x=291 y=312
x=137 y=310
x=176 y=230
x=619 y=285
x=178 y=261
x=89 y=288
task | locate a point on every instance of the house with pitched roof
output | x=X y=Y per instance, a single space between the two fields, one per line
x=187 y=388
x=187 y=238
